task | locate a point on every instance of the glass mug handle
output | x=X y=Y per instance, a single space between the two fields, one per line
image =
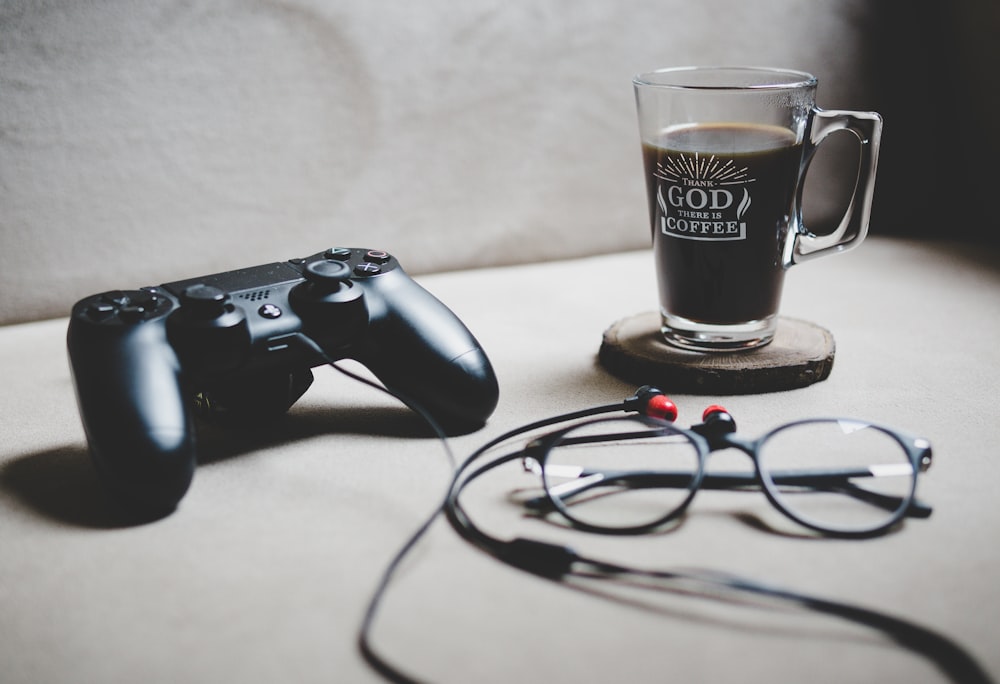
x=867 y=127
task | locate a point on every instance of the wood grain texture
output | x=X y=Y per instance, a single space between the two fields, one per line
x=801 y=354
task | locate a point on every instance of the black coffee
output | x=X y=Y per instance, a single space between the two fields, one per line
x=720 y=200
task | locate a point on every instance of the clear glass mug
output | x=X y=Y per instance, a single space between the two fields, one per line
x=726 y=151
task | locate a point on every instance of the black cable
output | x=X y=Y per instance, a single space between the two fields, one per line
x=376 y=661
x=953 y=661
x=557 y=562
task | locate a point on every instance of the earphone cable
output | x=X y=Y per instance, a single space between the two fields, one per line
x=557 y=562
x=371 y=656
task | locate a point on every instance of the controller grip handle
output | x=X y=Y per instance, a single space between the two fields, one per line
x=421 y=350
x=460 y=394
x=141 y=434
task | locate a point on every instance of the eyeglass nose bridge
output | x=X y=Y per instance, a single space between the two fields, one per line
x=717 y=428
x=709 y=479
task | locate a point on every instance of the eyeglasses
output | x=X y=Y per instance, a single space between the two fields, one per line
x=838 y=476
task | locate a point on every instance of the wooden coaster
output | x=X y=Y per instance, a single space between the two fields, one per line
x=800 y=354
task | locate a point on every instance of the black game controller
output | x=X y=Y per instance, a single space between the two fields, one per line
x=241 y=345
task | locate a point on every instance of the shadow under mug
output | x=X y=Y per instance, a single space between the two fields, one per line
x=726 y=151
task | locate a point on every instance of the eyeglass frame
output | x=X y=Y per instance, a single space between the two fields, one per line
x=715 y=433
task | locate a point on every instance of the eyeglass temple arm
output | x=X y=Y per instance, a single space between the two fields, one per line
x=842 y=481
x=829 y=481
x=915 y=509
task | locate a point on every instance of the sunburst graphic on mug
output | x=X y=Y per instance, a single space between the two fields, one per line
x=699 y=167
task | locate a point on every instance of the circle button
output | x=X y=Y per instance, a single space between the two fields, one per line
x=377 y=256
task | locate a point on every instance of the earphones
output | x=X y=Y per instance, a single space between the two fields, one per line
x=554 y=561
x=652 y=402
x=559 y=563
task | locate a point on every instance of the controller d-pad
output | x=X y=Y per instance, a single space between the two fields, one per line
x=130 y=307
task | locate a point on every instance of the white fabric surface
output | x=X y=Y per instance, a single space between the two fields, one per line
x=264 y=571
x=145 y=142
x=138 y=139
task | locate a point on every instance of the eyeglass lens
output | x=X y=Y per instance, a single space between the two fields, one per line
x=839 y=475
x=620 y=474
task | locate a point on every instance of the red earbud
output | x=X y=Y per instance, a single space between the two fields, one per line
x=661 y=406
x=652 y=402
x=717 y=421
x=712 y=410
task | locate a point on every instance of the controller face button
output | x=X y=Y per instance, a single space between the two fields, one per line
x=377 y=256
x=269 y=311
x=367 y=269
x=338 y=253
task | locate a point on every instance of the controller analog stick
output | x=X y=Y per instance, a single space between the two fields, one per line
x=205 y=303
x=209 y=331
x=327 y=276
x=326 y=282
x=330 y=302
